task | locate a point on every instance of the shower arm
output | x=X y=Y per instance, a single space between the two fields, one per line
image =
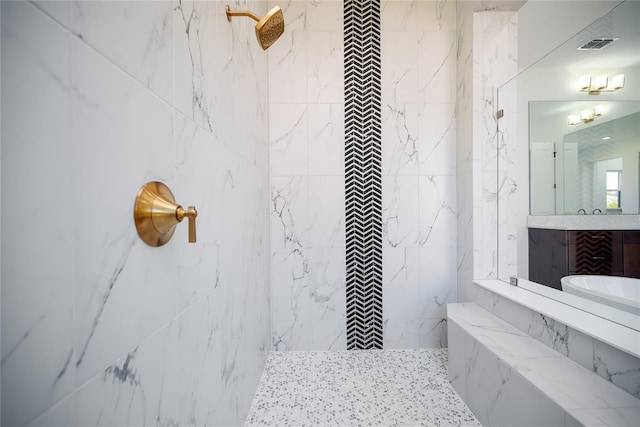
x=231 y=13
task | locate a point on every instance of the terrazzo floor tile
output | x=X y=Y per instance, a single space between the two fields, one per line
x=358 y=388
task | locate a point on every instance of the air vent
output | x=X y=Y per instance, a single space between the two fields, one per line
x=596 y=44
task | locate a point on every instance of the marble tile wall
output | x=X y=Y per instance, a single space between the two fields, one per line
x=307 y=174
x=97 y=327
x=464 y=146
x=306 y=151
x=419 y=208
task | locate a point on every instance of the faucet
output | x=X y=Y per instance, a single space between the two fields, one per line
x=596 y=209
x=582 y=211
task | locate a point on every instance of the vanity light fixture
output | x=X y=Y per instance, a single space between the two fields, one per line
x=601 y=83
x=586 y=116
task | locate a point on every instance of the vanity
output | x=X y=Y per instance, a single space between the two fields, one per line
x=563 y=245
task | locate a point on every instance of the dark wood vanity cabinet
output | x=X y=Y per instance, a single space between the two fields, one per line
x=554 y=254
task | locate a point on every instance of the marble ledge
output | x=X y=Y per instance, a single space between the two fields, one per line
x=584 y=222
x=621 y=337
x=582 y=394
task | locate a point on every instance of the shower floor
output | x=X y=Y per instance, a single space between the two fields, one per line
x=355 y=388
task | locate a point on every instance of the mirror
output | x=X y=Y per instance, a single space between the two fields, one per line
x=588 y=172
x=588 y=167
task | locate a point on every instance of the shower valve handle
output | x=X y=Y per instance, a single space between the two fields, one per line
x=190 y=213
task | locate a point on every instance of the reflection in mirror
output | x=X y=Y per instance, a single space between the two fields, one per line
x=593 y=178
x=584 y=168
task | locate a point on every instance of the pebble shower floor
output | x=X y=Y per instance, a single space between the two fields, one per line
x=358 y=388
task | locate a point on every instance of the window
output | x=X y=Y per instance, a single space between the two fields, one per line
x=613 y=189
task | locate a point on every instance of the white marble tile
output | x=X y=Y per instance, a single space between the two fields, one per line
x=326 y=139
x=583 y=386
x=289 y=212
x=127 y=391
x=401 y=288
x=456 y=368
x=196 y=23
x=326 y=290
x=437 y=139
x=324 y=15
x=139 y=38
x=437 y=271
x=498 y=395
x=554 y=334
x=320 y=335
x=57 y=9
x=399 y=68
x=325 y=75
x=561 y=380
x=288 y=78
x=620 y=368
x=605 y=417
x=289 y=279
x=437 y=205
x=308 y=285
x=238 y=81
x=436 y=56
x=401 y=333
x=123 y=135
x=432 y=333
x=62 y=414
x=295 y=14
x=326 y=211
x=399 y=15
x=436 y=15
x=400 y=141
x=185 y=373
x=37 y=234
x=213 y=178
x=288 y=144
x=400 y=211
x=402 y=387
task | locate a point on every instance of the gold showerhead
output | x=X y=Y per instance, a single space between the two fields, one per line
x=268 y=29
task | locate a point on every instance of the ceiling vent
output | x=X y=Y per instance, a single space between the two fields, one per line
x=597 y=44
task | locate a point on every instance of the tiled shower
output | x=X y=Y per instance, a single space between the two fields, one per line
x=101 y=97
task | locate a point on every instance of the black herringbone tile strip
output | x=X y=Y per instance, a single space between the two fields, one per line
x=363 y=173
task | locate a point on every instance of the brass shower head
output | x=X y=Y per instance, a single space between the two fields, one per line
x=268 y=29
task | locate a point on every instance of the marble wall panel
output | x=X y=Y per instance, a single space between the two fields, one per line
x=419 y=170
x=37 y=259
x=306 y=152
x=133 y=334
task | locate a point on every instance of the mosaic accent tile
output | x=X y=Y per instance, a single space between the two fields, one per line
x=354 y=388
x=363 y=173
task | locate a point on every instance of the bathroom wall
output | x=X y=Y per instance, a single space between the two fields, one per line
x=306 y=108
x=306 y=150
x=419 y=170
x=97 y=327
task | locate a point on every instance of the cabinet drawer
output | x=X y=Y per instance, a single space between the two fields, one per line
x=596 y=259
x=595 y=236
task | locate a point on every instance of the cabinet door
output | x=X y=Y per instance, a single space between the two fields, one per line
x=547 y=256
x=595 y=252
x=631 y=253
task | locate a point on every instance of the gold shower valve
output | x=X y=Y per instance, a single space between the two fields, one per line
x=156 y=214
